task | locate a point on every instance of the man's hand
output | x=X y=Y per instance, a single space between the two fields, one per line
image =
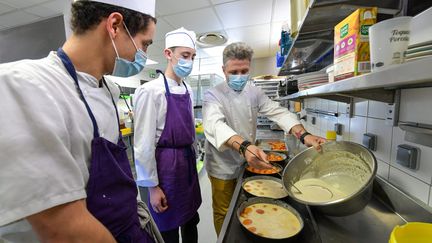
x=315 y=141
x=260 y=162
x=158 y=199
x=309 y=140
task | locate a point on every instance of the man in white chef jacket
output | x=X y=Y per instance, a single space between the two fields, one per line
x=164 y=142
x=64 y=175
x=230 y=113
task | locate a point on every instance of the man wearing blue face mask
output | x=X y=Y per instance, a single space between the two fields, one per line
x=230 y=113
x=164 y=138
x=65 y=175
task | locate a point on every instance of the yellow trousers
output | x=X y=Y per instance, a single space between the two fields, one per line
x=222 y=191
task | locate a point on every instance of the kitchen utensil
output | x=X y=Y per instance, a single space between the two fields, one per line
x=352 y=175
x=411 y=232
x=389 y=40
x=264 y=193
x=258 y=200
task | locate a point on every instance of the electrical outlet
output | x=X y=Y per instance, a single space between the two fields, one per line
x=390 y=115
x=392 y=110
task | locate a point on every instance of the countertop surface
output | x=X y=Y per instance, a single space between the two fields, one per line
x=387 y=208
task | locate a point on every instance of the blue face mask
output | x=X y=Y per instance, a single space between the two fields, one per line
x=125 y=68
x=183 y=68
x=237 y=82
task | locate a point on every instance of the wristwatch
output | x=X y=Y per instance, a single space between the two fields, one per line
x=302 y=137
x=243 y=146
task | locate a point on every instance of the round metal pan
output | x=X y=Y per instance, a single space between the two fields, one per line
x=277 y=174
x=261 y=178
x=258 y=238
x=284 y=157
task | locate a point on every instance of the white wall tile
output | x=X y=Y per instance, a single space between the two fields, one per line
x=414 y=105
x=360 y=107
x=311 y=103
x=377 y=109
x=383 y=169
x=409 y=184
x=357 y=129
x=342 y=107
x=332 y=106
x=331 y=121
x=323 y=123
x=384 y=138
x=305 y=103
x=324 y=105
x=345 y=121
x=318 y=103
x=315 y=131
x=424 y=171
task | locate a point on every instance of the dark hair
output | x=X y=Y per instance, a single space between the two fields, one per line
x=86 y=15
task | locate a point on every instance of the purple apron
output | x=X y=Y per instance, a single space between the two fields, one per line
x=176 y=163
x=111 y=189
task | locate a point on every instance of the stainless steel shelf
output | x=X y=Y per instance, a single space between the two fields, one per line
x=379 y=86
x=316 y=33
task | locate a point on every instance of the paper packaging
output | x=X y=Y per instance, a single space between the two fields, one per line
x=351 y=50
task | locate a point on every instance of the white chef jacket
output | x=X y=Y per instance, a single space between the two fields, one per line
x=227 y=113
x=150 y=107
x=45 y=139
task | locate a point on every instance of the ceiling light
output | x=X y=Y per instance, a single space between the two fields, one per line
x=211 y=39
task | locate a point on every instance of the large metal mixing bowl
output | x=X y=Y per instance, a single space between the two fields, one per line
x=359 y=172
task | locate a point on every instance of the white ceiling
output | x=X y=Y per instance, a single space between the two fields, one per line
x=256 y=22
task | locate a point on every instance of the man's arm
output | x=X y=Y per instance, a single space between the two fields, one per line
x=253 y=155
x=69 y=222
x=287 y=121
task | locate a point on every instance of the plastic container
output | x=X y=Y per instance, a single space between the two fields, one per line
x=331 y=135
x=389 y=40
x=413 y=232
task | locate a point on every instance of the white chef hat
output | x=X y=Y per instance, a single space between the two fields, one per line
x=142 y=6
x=180 y=37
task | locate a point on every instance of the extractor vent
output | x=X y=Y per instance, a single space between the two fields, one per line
x=211 y=39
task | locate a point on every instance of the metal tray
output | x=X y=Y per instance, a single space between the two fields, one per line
x=233 y=232
x=264 y=145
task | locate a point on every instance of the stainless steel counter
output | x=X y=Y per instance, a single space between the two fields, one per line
x=388 y=207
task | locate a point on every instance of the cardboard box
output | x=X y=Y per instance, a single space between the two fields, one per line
x=351 y=44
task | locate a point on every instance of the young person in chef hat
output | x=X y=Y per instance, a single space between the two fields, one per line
x=164 y=142
x=65 y=175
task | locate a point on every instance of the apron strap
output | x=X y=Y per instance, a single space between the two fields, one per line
x=166 y=83
x=114 y=104
x=72 y=72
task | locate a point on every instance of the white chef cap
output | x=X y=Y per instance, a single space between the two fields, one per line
x=180 y=37
x=142 y=6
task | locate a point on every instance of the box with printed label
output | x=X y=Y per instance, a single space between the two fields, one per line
x=351 y=44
